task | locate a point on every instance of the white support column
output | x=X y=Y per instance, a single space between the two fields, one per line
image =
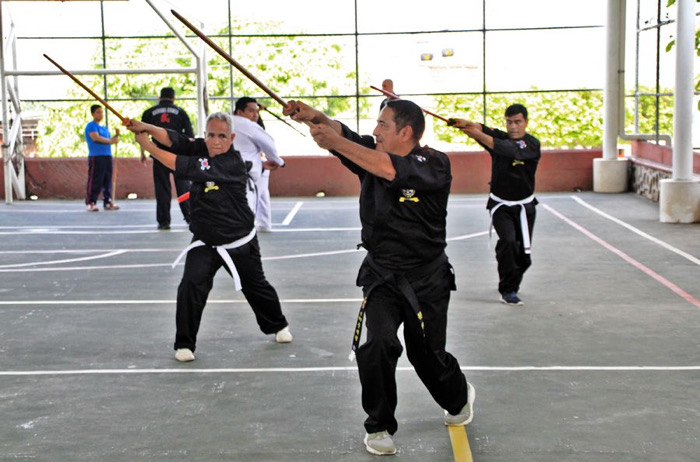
x=679 y=200
x=202 y=90
x=7 y=165
x=610 y=173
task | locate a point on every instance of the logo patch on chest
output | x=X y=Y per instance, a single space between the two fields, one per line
x=210 y=186
x=517 y=162
x=408 y=195
x=204 y=164
x=521 y=144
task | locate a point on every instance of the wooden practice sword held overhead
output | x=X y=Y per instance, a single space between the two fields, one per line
x=228 y=58
x=394 y=96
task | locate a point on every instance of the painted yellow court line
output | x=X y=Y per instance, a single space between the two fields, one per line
x=460 y=443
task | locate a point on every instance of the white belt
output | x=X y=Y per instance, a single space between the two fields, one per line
x=221 y=250
x=523 y=217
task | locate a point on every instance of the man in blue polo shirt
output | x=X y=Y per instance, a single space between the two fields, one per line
x=99 y=161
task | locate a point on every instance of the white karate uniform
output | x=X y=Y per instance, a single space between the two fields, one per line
x=251 y=141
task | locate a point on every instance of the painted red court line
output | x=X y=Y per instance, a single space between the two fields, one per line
x=671 y=286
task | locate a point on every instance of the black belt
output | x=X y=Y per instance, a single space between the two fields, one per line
x=403 y=283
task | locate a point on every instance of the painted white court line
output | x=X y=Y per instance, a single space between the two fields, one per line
x=35 y=230
x=292 y=213
x=85 y=268
x=638 y=231
x=648 y=271
x=19 y=267
x=306 y=370
x=177 y=250
x=76 y=227
x=315 y=254
x=68 y=260
x=467 y=236
x=314 y=230
x=306 y=301
x=82 y=251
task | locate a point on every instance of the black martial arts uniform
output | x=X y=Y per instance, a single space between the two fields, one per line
x=513 y=167
x=220 y=216
x=406 y=278
x=167 y=115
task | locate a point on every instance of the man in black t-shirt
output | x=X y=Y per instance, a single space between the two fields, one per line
x=406 y=277
x=167 y=115
x=222 y=227
x=514 y=158
x=387 y=85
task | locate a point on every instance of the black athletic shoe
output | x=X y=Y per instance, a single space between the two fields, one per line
x=164 y=227
x=511 y=298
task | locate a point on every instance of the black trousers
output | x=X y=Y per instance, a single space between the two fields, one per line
x=99 y=179
x=439 y=371
x=161 y=183
x=201 y=265
x=510 y=254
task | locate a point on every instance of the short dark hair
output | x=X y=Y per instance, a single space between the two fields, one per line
x=408 y=113
x=515 y=109
x=94 y=107
x=167 y=93
x=243 y=102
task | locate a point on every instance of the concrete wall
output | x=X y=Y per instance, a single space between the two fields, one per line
x=660 y=154
x=561 y=170
x=651 y=163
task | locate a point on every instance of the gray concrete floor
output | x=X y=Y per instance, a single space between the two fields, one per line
x=601 y=364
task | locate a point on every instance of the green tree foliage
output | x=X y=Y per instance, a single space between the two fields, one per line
x=61 y=131
x=291 y=66
x=560 y=120
x=647 y=113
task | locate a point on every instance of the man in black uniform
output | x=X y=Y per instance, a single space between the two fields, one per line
x=167 y=115
x=406 y=277
x=514 y=159
x=222 y=225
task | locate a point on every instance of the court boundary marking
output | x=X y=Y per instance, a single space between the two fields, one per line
x=292 y=213
x=158 y=302
x=626 y=257
x=461 y=450
x=17 y=267
x=334 y=369
x=638 y=231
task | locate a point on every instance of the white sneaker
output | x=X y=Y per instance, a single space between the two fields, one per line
x=184 y=355
x=284 y=336
x=380 y=443
x=466 y=415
